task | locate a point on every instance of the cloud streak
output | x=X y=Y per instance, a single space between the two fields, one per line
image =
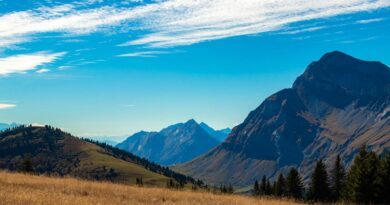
x=366 y=21
x=181 y=22
x=145 y=54
x=26 y=62
x=6 y=106
x=176 y=22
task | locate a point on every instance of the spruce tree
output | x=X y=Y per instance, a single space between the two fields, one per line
x=362 y=180
x=294 y=184
x=263 y=185
x=337 y=179
x=27 y=166
x=268 y=189
x=280 y=186
x=384 y=179
x=256 y=188
x=319 y=187
x=273 y=190
x=230 y=189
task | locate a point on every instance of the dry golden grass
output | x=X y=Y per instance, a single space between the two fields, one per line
x=23 y=189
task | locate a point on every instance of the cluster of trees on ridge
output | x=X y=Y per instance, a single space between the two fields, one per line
x=26 y=164
x=126 y=156
x=366 y=182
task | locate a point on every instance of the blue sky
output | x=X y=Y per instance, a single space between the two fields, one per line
x=104 y=67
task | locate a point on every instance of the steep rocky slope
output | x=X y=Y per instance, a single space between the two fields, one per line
x=337 y=105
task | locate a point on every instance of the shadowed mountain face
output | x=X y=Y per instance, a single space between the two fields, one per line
x=175 y=144
x=219 y=135
x=52 y=151
x=339 y=104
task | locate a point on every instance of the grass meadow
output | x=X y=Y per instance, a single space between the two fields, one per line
x=18 y=189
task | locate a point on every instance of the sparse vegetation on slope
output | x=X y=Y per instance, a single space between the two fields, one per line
x=47 y=150
x=18 y=189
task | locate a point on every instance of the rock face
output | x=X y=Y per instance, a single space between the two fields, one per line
x=337 y=105
x=175 y=144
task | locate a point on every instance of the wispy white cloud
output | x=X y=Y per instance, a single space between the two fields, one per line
x=26 y=62
x=142 y=54
x=310 y=29
x=65 y=67
x=178 y=22
x=9 y=42
x=181 y=22
x=366 y=21
x=6 y=106
x=43 y=70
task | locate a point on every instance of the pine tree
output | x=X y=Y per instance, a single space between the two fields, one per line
x=27 y=166
x=273 y=190
x=294 y=184
x=337 y=179
x=280 y=186
x=384 y=179
x=230 y=189
x=256 y=188
x=263 y=185
x=362 y=179
x=268 y=189
x=319 y=187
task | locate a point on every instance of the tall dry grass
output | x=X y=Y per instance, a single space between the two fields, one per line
x=23 y=189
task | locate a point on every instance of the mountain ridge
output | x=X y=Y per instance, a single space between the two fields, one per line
x=174 y=144
x=52 y=151
x=327 y=111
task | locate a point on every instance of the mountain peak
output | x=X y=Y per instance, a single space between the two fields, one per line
x=191 y=122
x=342 y=78
x=331 y=110
x=335 y=55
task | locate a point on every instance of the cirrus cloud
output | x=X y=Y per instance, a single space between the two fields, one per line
x=26 y=62
x=6 y=106
x=176 y=22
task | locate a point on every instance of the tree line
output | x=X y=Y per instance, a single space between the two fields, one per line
x=154 y=167
x=366 y=182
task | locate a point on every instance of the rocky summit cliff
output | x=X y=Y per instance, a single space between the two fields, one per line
x=177 y=143
x=337 y=105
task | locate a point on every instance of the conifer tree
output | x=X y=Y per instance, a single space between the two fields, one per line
x=230 y=189
x=273 y=190
x=319 y=187
x=337 y=179
x=362 y=180
x=27 y=166
x=280 y=186
x=256 y=188
x=263 y=185
x=268 y=188
x=384 y=179
x=294 y=184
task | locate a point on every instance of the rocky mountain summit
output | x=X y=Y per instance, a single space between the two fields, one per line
x=337 y=105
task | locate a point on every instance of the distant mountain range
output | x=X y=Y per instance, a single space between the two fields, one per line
x=52 y=151
x=177 y=143
x=337 y=105
x=4 y=126
x=105 y=139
